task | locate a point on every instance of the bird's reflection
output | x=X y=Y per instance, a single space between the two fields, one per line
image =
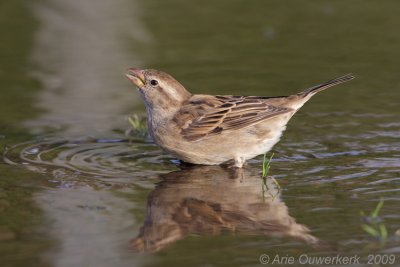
x=207 y=200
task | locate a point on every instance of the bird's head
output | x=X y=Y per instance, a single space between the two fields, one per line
x=158 y=89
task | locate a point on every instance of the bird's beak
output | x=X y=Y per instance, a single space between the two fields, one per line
x=136 y=76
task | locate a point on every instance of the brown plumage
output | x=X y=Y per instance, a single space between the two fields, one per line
x=210 y=200
x=227 y=114
x=207 y=129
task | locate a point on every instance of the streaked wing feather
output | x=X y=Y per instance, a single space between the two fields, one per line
x=233 y=113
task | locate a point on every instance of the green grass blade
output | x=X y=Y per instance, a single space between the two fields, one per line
x=383 y=232
x=375 y=213
x=266 y=165
x=370 y=230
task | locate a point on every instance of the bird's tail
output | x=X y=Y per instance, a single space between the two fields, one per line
x=315 y=89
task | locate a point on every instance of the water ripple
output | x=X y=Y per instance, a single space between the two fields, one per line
x=115 y=159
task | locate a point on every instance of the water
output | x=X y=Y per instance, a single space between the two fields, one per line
x=76 y=191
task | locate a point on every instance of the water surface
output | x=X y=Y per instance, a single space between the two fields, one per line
x=75 y=190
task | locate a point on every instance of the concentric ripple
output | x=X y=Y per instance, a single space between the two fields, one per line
x=98 y=158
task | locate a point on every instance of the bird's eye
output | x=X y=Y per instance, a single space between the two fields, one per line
x=154 y=82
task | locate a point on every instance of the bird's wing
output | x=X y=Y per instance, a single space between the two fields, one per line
x=211 y=116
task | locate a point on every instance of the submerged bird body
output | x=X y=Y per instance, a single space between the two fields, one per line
x=211 y=130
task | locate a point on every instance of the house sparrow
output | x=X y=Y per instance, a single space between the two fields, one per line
x=220 y=129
